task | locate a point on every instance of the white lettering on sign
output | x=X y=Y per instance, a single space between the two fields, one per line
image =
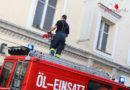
x=63 y=85
x=58 y=84
x=41 y=80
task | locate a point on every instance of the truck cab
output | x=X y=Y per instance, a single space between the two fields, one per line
x=13 y=70
x=12 y=74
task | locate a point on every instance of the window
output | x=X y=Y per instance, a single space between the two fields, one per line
x=106 y=32
x=18 y=76
x=44 y=14
x=92 y=85
x=103 y=36
x=6 y=73
x=119 y=89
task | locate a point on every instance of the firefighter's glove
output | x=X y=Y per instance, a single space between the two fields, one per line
x=49 y=32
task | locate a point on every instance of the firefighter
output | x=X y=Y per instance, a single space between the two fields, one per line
x=58 y=41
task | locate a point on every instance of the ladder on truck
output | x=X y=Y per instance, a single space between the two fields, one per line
x=67 y=63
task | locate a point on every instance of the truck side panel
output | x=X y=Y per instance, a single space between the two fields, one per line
x=47 y=77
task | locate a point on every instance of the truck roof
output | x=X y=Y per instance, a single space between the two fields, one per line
x=64 y=62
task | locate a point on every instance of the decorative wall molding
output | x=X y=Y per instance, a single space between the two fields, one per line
x=84 y=1
x=14 y=31
x=114 y=73
x=90 y=62
x=112 y=13
x=87 y=20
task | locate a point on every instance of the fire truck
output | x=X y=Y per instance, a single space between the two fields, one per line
x=26 y=69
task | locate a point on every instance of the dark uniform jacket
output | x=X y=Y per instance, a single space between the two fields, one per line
x=62 y=25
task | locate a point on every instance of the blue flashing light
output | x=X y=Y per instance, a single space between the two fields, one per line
x=122 y=80
x=31 y=47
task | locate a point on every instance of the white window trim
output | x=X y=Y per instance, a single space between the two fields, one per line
x=128 y=61
x=101 y=36
x=110 y=4
x=65 y=7
x=44 y=14
x=96 y=37
x=31 y=13
x=30 y=20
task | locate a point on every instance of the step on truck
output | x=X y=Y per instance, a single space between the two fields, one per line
x=25 y=69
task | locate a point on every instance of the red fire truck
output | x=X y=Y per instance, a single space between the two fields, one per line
x=33 y=70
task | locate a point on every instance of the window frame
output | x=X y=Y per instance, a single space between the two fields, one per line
x=119 y=88
x=100 y=41
x=46 y=4
x=10 y=75
x=114 y=21
x=21 y=78
x=100 y=83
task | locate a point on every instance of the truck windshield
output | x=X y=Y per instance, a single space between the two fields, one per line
x=18 y=75
x=6 y=73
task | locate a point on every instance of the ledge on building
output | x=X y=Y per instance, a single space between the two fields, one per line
x=69 y=49
x=112 y=12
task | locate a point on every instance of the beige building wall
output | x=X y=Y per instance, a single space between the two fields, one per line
x=118 y=46
x=83 y=18
x=22 y=12
x=123 y=35
x=123 y=39
x=102 y=68
x=121 y=50
x=15 y=11
x=75 y=14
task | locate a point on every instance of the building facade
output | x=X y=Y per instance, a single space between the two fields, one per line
x=99 y=31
